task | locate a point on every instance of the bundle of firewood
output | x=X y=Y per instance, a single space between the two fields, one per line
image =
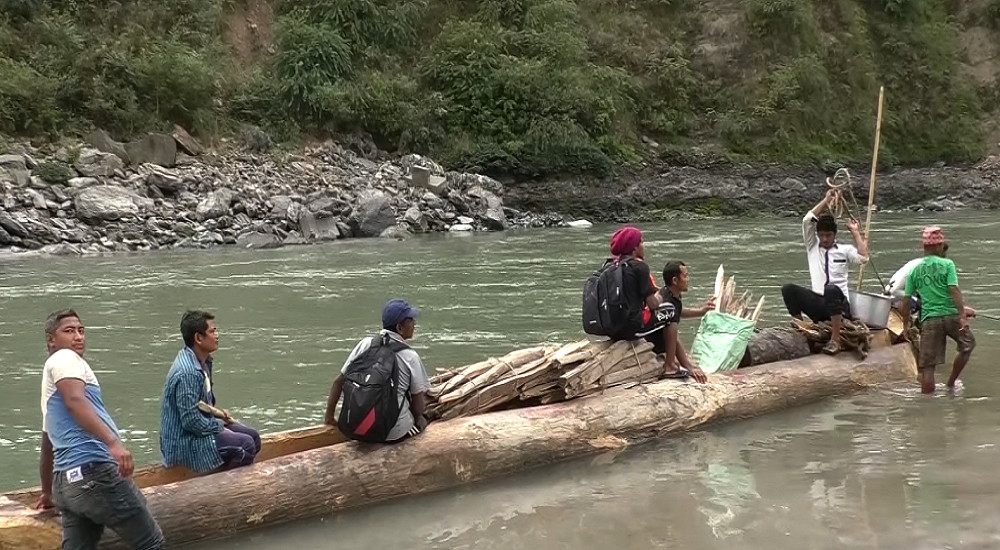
x=541 y=375
x=854 y=335
x=726 y=300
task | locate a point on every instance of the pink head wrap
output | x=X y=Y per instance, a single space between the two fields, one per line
x=933 y=236
x=625 y=240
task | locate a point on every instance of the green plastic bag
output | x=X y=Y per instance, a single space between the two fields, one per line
x=721 y=341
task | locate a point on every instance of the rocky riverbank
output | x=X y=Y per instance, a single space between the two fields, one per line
x=744 y=190
x=164 y=191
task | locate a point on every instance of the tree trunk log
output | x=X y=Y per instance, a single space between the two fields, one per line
x=327 y=480
x=775 y=344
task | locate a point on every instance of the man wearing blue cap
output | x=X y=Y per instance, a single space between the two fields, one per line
x=412 y=384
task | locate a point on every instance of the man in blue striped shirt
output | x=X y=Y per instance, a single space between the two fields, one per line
x=188 y=436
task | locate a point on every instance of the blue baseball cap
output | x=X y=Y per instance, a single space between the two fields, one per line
x=396 y=311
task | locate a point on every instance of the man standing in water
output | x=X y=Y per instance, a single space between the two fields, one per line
x=942 y=311
x=828 y=271
x=85 y=467
x=188 y=436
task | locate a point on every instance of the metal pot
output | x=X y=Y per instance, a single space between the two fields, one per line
x=872 y=309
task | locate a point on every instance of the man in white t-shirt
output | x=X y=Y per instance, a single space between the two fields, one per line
x=85 y=467
x=829 y=263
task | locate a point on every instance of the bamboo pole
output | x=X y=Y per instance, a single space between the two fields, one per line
x=871 y=185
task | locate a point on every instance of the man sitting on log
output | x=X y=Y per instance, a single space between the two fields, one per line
x=828 y=271
x=942 y=311
x=190 y=435
x=676 y=362
x=85 y=467
x=379 y=366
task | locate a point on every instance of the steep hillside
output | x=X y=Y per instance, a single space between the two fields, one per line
x=522 y=87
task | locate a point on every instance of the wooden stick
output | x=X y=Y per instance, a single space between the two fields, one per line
x=871 y=185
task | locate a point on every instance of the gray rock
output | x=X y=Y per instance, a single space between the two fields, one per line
x=154 y=149
x=294 y=238
x=415 y=218
x=465 y=220
x=100 y=140
x=12 y=226
x=432 y=201
x=7 y=239
x=162 y=178
x=13 y=170
x=794 y=185
x=62 y=249
x=216 y=204
x=372 y=214
x=490 y=209
x=318 y=229
x=257 y=239
x=92 y=163
x=105 y=202
x=398 y=232
x=36 y=182
x=37 y=199
x=460 y=227
x=328 y=204
x=345 y=229
x=186 y=142
x=82 y=183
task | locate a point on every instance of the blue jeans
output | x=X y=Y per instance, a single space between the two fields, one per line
x=237 y=445
x=102 y=498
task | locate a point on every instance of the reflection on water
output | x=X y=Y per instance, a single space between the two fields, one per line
x=889 y=469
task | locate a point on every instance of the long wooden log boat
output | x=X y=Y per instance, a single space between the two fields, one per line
x=313 y=471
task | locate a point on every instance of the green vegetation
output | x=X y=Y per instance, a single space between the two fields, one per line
x=523 y=87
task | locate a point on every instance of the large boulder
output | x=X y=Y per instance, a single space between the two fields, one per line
x=215 y=204
x=154 y=149
x=93 y=163
x=318 y=229
x=105 y=144
x=14 y=170
x=372 y=214
x=105 y=202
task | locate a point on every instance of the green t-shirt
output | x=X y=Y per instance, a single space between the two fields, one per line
x=931 y=279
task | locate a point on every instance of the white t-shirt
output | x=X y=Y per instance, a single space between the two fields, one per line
x=897 y=283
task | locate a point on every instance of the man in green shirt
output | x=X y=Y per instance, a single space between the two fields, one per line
x=942 y=311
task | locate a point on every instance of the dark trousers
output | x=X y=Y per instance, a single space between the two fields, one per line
x=103 y=498
x=237 y=445
x=799 y=300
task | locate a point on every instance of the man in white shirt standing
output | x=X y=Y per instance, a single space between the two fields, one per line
x=829 y=265
x=85 y=468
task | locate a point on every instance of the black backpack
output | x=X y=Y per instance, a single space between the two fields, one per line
x=371 y=392
x=606 y=311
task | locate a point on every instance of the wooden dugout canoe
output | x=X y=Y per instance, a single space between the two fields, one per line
x=312 y=472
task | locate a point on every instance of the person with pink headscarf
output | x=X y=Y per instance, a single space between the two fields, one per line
x=649 y=312
x=942 y=311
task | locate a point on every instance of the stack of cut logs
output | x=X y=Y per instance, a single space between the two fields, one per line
x=541 y=375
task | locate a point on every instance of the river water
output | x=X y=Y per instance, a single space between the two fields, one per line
x=887 y=469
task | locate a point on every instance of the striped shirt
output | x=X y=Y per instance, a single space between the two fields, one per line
x=187 y=435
